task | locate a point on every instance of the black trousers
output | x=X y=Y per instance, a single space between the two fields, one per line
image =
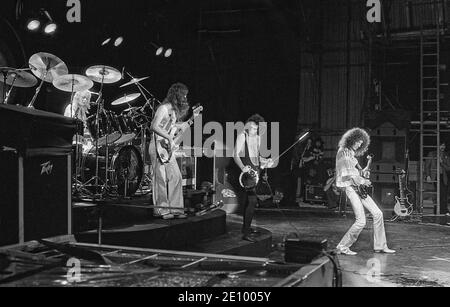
x=250 y=203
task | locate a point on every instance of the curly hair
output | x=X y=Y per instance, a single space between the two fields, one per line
x=176 y=97
x=255 y=118
x=352 y=136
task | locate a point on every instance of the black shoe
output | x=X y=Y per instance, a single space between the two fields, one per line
x=248 y=238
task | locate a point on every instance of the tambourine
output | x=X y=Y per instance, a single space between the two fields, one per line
x=249 y=180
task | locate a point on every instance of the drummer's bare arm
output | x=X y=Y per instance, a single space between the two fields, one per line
x=158 y=123
x=238 y=149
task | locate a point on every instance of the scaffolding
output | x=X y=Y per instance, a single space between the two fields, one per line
x=431 y=113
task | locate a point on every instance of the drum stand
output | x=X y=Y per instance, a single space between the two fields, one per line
x=6 y=94
x=38 y=90
x=147 y=179
x=99 y=195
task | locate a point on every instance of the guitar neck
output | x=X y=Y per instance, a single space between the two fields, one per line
x=180 y=132
x=400 y=183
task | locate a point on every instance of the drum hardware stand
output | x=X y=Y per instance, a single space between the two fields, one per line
x=7 y=93
x=77 y=158
x=142 y=89
x=38 y=89
x=5 y=77
x=99 y=102
x=146 y=178
x=125 y=194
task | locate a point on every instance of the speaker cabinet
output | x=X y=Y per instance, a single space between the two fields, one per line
x=9 y=199
x=46 y=196
x=38 y=203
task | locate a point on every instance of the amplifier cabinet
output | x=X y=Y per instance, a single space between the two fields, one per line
x=38 y=202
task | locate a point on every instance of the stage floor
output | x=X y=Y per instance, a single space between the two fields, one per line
x=423 y=251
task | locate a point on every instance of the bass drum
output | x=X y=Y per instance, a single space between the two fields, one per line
x=125 y=165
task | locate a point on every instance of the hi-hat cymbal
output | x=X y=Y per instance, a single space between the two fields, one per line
x=73 y=83
x=126 y=99
x=105 y=74
x=134 y=81
x=17 y=78
x=47 y=66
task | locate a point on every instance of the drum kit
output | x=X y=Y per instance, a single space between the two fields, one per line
x=114 y=162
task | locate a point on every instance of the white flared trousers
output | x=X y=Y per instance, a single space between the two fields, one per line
x=358 y=204
x=167 y=185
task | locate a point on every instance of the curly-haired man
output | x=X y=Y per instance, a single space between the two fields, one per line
x=353 y=144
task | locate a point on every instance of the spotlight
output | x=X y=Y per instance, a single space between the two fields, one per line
x=118 y=41
x=40 y=18
x=106 y=41
x=33 y=24
x=168 y=53
x=159 y=51
x=50 y=28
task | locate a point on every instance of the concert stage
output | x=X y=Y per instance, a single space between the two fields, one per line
x=422 y=249
x=158 y=253
x=131 y=223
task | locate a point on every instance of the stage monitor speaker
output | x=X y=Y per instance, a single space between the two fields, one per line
x=38 y=203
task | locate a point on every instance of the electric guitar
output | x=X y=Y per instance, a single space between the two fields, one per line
x=403 y=206
x=363 y=190
x=163 y=148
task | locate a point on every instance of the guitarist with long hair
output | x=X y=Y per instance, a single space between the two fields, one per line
x=352 y=181
x=167 y=179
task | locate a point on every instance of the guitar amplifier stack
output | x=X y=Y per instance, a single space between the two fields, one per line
x=389 y=149
x=35 y=167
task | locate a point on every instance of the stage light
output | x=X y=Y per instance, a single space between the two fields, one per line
x=42 y=18
x=159 y=51
x=33 y=24
x=50 y=28
x=168 y=52
x=106 y=41
x=118 y=41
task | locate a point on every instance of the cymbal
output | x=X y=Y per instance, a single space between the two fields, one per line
x=103 y=73
x=47 y=66
x=134 y=81
x=75 y=83
x=126 y=99
x=17 y=78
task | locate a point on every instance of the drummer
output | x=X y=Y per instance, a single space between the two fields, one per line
x=79 y=109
